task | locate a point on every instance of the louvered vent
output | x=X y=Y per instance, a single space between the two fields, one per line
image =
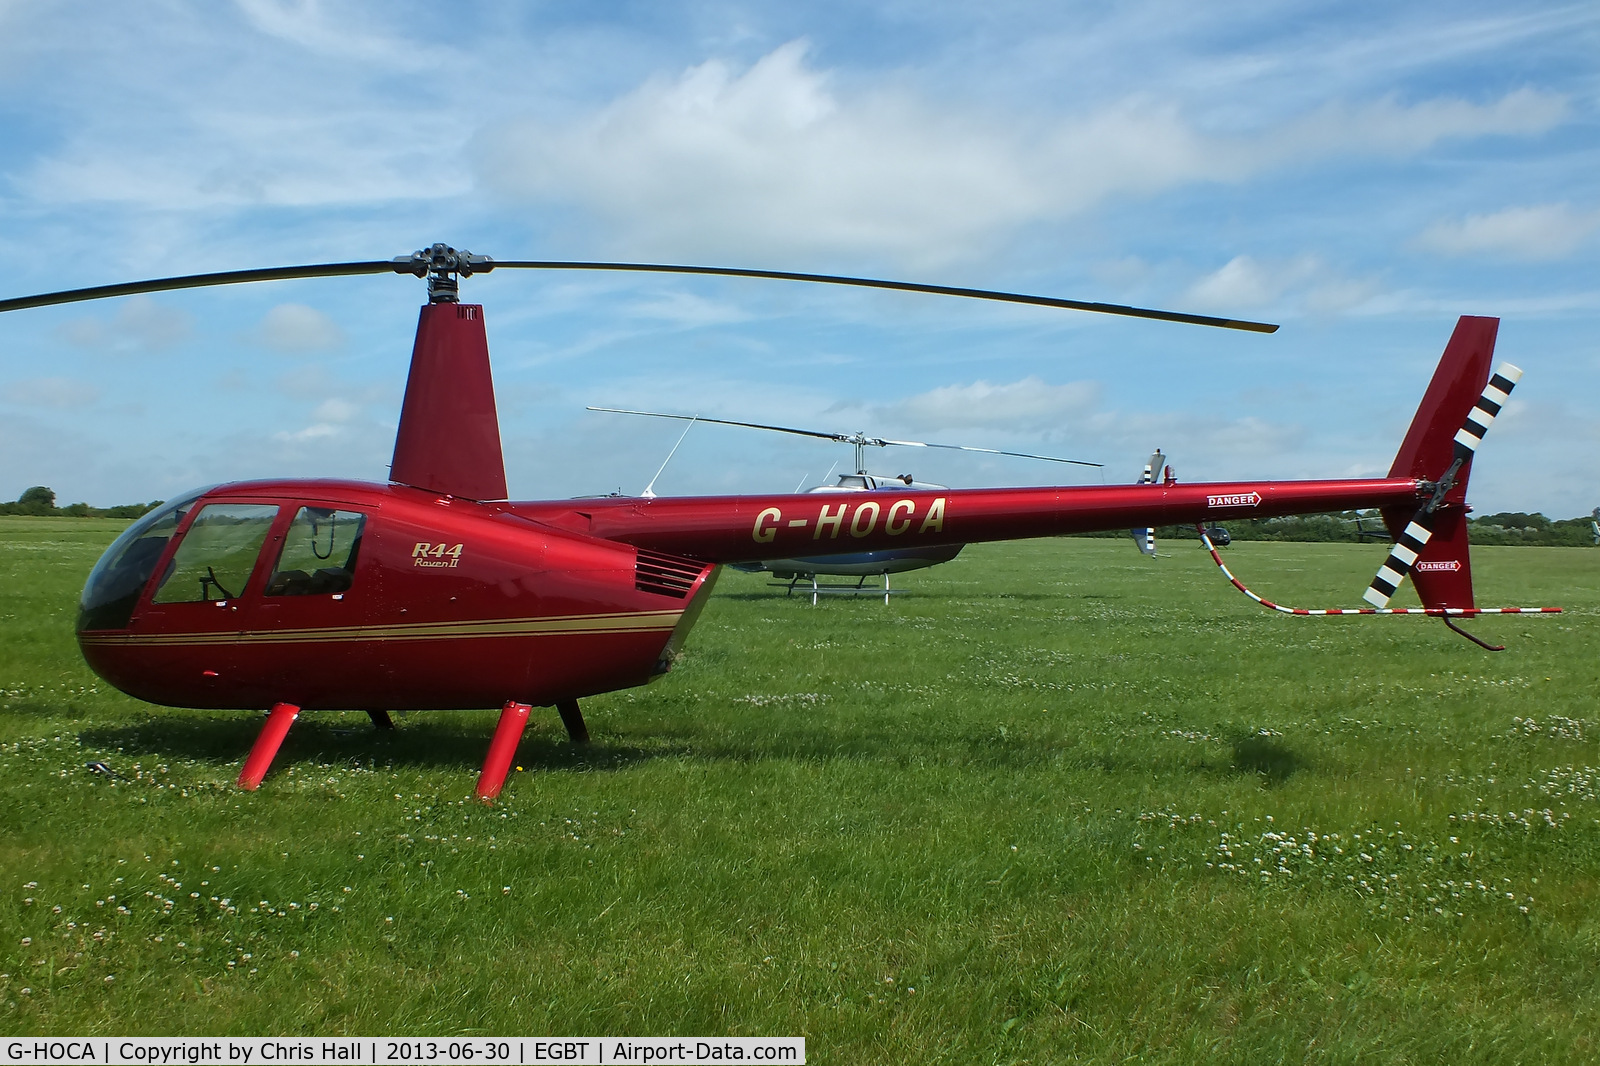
x=665 y=575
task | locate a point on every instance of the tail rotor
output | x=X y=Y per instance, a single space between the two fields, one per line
x=1145 y=536
x=1410 y=550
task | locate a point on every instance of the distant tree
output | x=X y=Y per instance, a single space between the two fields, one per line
x=1505 y=528
x=128 y=510
x=1515 y=520
x=1519 y=527
x=37 y=500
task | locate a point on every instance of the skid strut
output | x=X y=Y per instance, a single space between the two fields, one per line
x=1446 y=613
x=513 y=720
x=279 y=719
x=572 y=718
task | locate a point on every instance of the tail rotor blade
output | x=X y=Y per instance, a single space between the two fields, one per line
x=1152 y=469
x=1402 y=556
x=1483 y=412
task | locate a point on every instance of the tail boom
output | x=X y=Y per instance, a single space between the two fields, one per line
x=749 y=528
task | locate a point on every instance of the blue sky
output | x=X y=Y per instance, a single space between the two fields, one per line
x=1361 y=173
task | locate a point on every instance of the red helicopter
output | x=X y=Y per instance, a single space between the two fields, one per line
x=436 y=592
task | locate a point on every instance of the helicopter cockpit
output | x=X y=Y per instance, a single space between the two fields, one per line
x=217 y=555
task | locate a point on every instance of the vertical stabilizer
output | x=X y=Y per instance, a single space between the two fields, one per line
x=449 y=437
x=1461 y=403
x=1429 y=447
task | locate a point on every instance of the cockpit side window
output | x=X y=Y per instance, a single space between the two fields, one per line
x=319 y=553
x=217 y=554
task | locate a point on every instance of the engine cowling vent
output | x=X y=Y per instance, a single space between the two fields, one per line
x=665 y=575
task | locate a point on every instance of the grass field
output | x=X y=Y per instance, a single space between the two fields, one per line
x=1056 y=802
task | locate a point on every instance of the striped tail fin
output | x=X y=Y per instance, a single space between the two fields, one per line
x=1431 y=544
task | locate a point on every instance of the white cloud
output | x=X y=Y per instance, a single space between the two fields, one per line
x=316 y=431
x=333 y=417
x=719 y=161
x=687 y=311
x=139 y=322
x=203 y=133
x=313 y=383
x=1245 y=281
x=312 y=26
x=1070 y=420
x=709 y=160
x=1390 y=127
x=336 y=410
x=65 y=394
x=1204 y=439
x=232 y=156
x=298 y=328
x=1030 y=404
x=1241 y=282
x=1541 y=231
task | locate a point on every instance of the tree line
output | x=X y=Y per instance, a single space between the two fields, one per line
x=1507 y=527
x=41 y=501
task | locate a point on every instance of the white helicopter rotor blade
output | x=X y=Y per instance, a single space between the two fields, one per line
x=987 y=451
x=727 y=422
x=858 y=439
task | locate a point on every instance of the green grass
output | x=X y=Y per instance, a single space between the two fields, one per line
x=1056 y=802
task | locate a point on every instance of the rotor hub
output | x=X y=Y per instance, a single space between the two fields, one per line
x=443 y=266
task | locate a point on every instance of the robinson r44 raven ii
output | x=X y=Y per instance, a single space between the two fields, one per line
x=435 y=591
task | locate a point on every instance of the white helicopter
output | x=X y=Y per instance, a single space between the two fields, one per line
x=859 y=565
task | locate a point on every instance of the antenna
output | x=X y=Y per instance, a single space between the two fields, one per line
x=649 y=492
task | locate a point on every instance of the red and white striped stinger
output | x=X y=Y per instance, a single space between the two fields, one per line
x=1434 y=612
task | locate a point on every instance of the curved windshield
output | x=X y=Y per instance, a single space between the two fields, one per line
x=114 y=584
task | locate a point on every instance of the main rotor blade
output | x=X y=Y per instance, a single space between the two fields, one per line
x=846 y=438
x=902 y=286
x=420 y=265
x=841 y=437
x=195 y=281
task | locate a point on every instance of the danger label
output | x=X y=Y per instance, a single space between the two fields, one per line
x=1449 y=565
x=1238 y=499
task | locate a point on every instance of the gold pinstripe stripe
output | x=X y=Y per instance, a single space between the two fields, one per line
x=568 y=625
